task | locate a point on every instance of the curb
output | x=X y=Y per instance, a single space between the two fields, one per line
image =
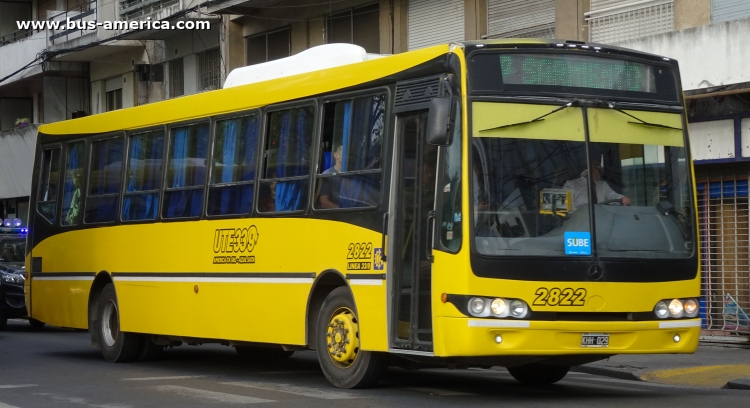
x=739 y=384
x=607 y=372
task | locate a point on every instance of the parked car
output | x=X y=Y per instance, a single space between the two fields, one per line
x=12 y=278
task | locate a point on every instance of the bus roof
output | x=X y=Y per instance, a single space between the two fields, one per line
x=286 y=88
x=244 y=97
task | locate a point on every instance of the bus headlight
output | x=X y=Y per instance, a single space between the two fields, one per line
x=661 y=310
x=675 y=307
x=476 y=305
x=518 y=308
x=498 y=306
x=691 y=307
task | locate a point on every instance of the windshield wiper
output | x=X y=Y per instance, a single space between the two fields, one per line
x=539 y=119
x=611 y=105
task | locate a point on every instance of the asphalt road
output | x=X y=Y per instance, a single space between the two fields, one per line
x=57 y=368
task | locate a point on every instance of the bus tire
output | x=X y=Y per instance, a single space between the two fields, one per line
x=538 y=374
x=117 y=346
x=148 y=350
x=36 y=324
x=262 y=354
x=3 y=322
x=339 y=355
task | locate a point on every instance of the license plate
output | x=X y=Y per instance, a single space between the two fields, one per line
x=594 y=340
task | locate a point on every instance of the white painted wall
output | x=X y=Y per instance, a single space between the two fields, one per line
x=712 y=140
x=745 y=139
x=709 y=55
x=18 y=54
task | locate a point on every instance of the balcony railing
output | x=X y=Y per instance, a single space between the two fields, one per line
x=79 y=15
x=15 y=36
x=629 y=21
x=134 y=9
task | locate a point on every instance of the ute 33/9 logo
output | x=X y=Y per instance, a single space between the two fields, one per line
x=232 y=244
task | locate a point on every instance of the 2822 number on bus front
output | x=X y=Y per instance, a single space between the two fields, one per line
x=560 y=297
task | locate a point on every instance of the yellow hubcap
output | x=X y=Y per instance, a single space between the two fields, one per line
x=343 y=337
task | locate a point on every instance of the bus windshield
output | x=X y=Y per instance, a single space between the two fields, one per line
x=531 y=189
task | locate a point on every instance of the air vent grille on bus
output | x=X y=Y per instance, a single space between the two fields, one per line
x=417 y=92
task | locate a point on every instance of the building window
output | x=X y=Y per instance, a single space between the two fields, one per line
x=520 y=18
x=176 y=78
x=209 y=69
x=613 y=21
x=268 y=47
x=432 y=22
x=360 y=26
x=113 y=89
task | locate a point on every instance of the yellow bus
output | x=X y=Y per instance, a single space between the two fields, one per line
x=420 y=209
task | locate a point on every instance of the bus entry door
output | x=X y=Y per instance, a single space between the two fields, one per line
x=413 y=208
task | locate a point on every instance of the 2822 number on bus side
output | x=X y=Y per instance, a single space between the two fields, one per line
x=560 y=297
x=359 y=251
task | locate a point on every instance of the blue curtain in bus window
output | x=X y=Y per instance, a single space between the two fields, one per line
x=104 y=181
x=228 y=159
x=176 y=202
x=362 y=152
x=188 y=169
x=144 y=174
x=292 y=159
x=71 y=208
x=246 y=167
x=234 y=164
x=146 y=155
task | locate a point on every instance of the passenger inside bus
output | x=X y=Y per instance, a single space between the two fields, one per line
x=74 y=212
x=331 y=186
x=580 y=189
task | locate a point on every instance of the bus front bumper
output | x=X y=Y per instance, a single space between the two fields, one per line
x=494 y=337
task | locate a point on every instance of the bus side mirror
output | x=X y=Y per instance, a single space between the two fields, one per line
x=439 y=122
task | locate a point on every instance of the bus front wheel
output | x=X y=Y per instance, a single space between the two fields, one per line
x=538 y=374
x=344 y=364
x=116 y=346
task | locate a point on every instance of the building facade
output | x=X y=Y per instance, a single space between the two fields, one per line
x=48 y=74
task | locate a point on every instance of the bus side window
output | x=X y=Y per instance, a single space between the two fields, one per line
x=103 y=197
x=186 y=171
x=349 y=173
x=48 y=188
x=450 y=196
x=233 y=173
x=71 y=204
x=143 y=181
x=285 y=180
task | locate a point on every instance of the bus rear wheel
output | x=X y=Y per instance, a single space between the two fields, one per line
x=116 y=346
x=538 y=374
x=344 y=364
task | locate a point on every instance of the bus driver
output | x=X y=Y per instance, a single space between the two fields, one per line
x=580 y=190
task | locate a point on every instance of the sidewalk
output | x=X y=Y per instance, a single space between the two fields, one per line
x=709 y=367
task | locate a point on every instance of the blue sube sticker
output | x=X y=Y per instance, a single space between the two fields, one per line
x=577 y=243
